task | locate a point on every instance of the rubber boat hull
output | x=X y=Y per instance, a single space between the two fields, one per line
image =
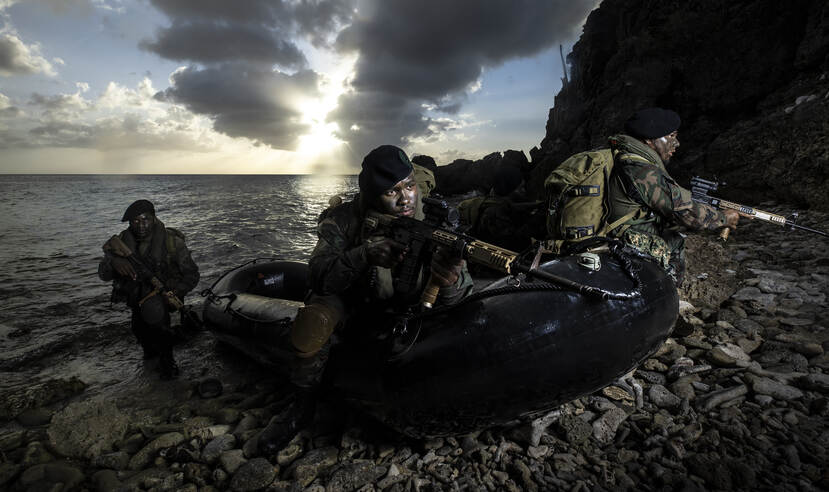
x=508 y=352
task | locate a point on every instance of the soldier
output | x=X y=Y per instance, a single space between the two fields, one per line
x=640 y=185
x=503 y=217
x=351 y=275
x=163 y=251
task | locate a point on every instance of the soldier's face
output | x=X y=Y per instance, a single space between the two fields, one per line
x=142 y=225
x=400 y=200
x=665 y=146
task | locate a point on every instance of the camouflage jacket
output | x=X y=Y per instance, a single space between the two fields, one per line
x=660 y=203
x=339 y=265
x=166 y=254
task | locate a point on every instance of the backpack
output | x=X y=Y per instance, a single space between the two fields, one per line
x=576 y=196
x=172 y=234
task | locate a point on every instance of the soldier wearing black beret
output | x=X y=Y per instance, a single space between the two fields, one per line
x=351 y=275
x=163 y=251
x=641 y=189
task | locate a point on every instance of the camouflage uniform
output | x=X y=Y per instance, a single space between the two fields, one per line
x=339 y=265
x=661 y=206
x=166 y=254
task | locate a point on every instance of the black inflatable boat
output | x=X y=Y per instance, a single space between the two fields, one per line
x=514 y=349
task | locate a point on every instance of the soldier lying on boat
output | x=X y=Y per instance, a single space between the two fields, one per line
x=504 y=217
x=349 y=273
x=151 y=270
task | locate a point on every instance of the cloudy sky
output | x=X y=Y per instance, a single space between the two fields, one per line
x=273 y=86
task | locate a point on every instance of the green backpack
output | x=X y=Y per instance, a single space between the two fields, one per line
x=577 y=206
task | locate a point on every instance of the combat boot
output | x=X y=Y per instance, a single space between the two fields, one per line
x=167 y=365
x=284 y=427
x=306 y=373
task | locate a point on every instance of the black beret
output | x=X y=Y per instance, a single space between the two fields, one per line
x=652 y=123
x=137 y=208
x=383 y=168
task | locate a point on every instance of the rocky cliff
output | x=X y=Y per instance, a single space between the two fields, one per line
x=750 y=79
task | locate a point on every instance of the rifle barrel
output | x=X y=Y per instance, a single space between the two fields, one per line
x=804 y=228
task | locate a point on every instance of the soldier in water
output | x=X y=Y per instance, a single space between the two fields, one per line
x=163 y=252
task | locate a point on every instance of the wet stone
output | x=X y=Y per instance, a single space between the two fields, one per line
x=573 y=429
x=217 y=446
x=352 y=476
x=52 y=473
x=604 y=428
x=749 y=345
x=654 y=365
x=253 y=475
x=748 y=326
x=314 y=462
x=143 y=457
x=232 y=460
x=796 y=322
x=106 y=481
x=651 y=377
x=683 y=388
x=772 y=285
x=662 y=398
x=727 y=355
x=775 y=389
x=617 y=393
x=755 y=298
x=119 y=460
x=103 y=425
x=35 y=454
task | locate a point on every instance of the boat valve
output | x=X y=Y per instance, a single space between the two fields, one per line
x=590 y=261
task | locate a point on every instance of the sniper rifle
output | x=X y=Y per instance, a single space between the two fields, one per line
x=699 y=192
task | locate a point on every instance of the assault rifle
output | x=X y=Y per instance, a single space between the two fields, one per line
x=438 y=230
x=699 y=192
x=189 y=318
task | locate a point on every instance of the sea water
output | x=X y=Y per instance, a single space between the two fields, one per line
x=56 y=320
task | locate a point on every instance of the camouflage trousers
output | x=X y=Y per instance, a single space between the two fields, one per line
x=668 y=252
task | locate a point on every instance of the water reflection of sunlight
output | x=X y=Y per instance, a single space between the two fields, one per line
x=316 y=189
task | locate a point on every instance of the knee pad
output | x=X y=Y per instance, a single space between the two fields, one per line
x=313 y=326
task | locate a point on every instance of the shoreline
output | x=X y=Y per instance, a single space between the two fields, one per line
x=738 y=402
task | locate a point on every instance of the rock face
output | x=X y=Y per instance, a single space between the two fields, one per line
x=462 y=175
x=750 y=79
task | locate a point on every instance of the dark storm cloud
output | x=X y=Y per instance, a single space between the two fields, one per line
x=237 y=43
x=431 y=50
x=316 y=19
x=207 y=42
x=246 y=101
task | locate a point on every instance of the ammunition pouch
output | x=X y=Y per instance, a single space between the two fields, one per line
x=126 y=291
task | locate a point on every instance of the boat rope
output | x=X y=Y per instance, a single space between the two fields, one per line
x=214 y=298
x=615 y=250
